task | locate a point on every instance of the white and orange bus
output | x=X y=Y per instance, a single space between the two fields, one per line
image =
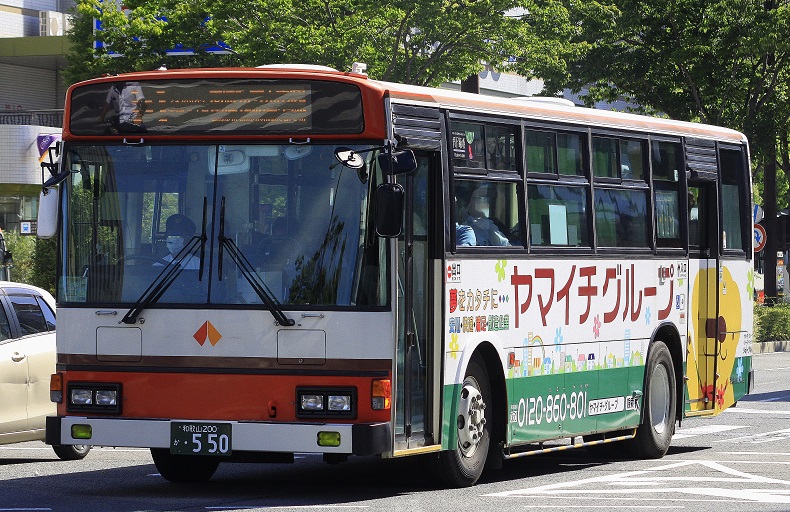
x=260 y=262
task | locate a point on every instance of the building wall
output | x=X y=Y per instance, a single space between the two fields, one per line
x=25 y=88
x=20 y=173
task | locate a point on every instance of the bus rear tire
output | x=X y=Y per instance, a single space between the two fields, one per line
x=463 y=465
x=659 y=405
x=183 y=468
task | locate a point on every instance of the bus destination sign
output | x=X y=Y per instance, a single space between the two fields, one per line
x=216 y=106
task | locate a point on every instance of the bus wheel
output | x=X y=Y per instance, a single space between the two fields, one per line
x=183 y=468
x=462 y=466
x=71 y=452
x=654 y=434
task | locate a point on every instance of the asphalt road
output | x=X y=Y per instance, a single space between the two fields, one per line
x=739 y=460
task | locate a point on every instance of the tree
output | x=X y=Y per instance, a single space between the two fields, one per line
x=724 y=62
x=422 y=42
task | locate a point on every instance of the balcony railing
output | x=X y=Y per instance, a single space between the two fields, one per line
x=52 y=118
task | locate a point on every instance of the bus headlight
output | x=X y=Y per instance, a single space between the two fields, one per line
x=312 y=402
x=339 y=402
x=81 y=397
x=326 y=402
x=106 y=397
x=101 y=397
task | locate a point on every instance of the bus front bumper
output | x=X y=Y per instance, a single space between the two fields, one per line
x=359 y=439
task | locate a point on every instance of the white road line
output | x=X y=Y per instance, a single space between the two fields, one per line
x=705 y=430
x=635 y=483
x=784 y=454
x=629 y=507
x=741 y=410
x=762 y=437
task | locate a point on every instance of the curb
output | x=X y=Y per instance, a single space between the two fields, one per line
x=766 y=347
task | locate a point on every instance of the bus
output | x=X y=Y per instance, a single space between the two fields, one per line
x=258 y=262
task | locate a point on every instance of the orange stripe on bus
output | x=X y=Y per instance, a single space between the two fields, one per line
x=205 y=396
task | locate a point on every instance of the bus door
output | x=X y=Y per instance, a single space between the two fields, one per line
x=704 y=319
x=416 y=310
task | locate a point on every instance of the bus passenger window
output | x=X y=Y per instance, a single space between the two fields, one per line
x=667 y=193
x=731 y=163
x=558 y=216
x=621 y=218
x=486 y=213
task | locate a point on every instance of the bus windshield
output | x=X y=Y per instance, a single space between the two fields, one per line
x=288 y=216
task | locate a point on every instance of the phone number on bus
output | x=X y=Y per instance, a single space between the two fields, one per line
x=558 y=407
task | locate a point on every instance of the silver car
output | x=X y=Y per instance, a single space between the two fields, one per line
x=27 y=360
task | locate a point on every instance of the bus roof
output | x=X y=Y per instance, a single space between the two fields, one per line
x=554 y=111
x=537 y=109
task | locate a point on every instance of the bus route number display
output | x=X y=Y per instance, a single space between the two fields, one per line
x=195 y=438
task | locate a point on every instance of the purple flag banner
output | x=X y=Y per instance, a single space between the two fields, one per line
x=44 y=142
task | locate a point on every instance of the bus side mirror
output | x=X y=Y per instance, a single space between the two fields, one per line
x=389 y=210
x=48 y=207
x=397 y=162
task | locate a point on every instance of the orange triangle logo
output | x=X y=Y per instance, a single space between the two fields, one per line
x=207 y=332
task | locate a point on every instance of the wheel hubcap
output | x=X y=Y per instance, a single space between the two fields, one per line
x=659 y=399
x=471 y=419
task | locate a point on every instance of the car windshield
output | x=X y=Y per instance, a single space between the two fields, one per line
x=226 y=221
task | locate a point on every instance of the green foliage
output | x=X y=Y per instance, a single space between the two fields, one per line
x=772 y=323
x=722 y=62
x=422 y=42
x=34 y=260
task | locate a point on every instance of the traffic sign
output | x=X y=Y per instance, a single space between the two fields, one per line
x=757 y=213
x=759 y=238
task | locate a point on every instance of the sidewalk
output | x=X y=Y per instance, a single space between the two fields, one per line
x=763 y=347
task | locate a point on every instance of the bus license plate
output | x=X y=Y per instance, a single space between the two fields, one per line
x=187 y=438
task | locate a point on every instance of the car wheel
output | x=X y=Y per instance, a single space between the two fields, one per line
x=71 y=452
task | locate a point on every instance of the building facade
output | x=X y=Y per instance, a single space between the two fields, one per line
x=32 y=92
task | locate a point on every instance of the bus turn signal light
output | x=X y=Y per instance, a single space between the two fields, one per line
x=56 y=388
x=381 y=394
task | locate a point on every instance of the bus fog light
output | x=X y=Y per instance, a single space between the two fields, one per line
x=106 y=397
x=312 y=402
x=79 y=431
x=339 y=403
x=329 y=439
x=81 y=396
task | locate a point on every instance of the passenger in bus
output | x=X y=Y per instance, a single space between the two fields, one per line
x=464 y=234
x=486 y=230
x=179 y=229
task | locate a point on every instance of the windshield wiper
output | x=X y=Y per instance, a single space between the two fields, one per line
x=163 y=281
x=248 y=271
x=257 y=284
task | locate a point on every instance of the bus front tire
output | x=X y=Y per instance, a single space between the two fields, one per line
x=462 y=466
x=183 y=468
x=71 y=452
x=659 y=405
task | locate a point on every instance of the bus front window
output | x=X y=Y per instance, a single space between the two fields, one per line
x=287 y=216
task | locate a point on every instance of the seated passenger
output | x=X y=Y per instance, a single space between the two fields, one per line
x=486 y=230
x=464 y=235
